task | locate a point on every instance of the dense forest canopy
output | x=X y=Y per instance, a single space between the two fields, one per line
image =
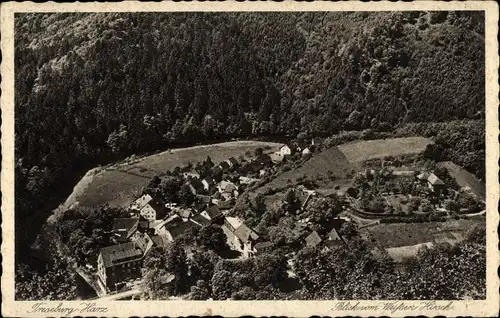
x=94 y=87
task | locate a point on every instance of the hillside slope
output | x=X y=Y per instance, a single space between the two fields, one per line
x=92 y=87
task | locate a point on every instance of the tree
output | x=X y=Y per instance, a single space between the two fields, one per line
x=221 y=284
x=211 y=237
x=117 y=140
x=186 y=197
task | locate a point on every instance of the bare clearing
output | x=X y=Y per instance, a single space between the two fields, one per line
x=360 y=151
x=119 y=184
x=402 y=253
x=465 y=178
x=407 y=234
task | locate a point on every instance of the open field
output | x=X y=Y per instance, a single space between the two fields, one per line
x=465 y=178
x=360 y=151
x=407 y=234
x=119 y=184
x=327 y=163
x=399 y=254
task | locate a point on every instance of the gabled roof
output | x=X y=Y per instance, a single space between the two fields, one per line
x=276 y=157
x=120 y=253
x=199 y=219
x=227 y=186
x=177 y=228
x=196 y=183
x=143 y=241
x=141 y=201
x=434 y=180
x=224 y=165
x=232 y=161
x=423 y=176
x=245 y=234
x=209 y=181
x=125 y=227
x=159 y=241
x=213 y=212
x=313 y=239
x=225 y=204
x=183 y=213
x=204 y=198
x=333 y=235
x=234 y=222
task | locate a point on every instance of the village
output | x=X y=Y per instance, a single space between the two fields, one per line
x=208 y=193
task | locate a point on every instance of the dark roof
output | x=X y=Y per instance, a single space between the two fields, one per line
x=224 y=165
x=125 y=227
x=200 y=220
x=120 y=253
x=263 y=245
x=196 y=183
x=200 y=207
x=225 y=204
x=233 y=161
x=244 y=233
x=213 y=211
x=177 y=228
x=313 y=239
x=159 y=206
x=159 y=241
x=204 y=198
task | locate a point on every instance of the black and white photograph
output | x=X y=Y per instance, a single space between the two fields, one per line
x=246 y=156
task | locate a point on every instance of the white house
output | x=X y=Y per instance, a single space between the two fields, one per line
x=285 y=150
x=306 y=151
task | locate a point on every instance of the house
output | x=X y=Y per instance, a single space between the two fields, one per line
x=435 y=184
x=227 y=187
x=224 y=204
x=208 y=183
x=124 y=228
x=316 y=141
x=232 y=223
x=119 y=263
x=204 y=199
x=143 y=241
x=313 y=239
x=247 y=180
x=306 y=151
x=224 y=166
x=185 y=214
x=263 y=247
x=244 y=240
x=232 y=162
x=212 y=213
x=285 y=151
x=422 y=177
x=276 y=157
x=154 y=210
x=192 y=175
x=173 y=230
x=195 y=185
x=333 y=238
x=200 y=220
x=159 y=241
x=141 y=201
x=262 y=160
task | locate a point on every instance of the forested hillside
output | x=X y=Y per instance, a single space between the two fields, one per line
x=91 y=88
